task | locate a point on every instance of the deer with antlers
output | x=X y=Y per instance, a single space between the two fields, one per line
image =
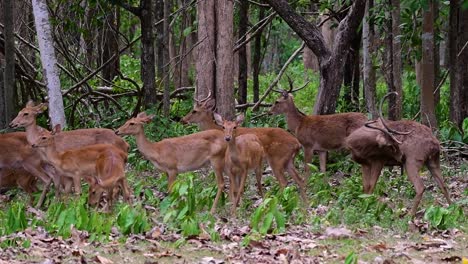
x=382 y=142
x=244 y=153
x=319 y=133
x=180 y=154
x=280 y=146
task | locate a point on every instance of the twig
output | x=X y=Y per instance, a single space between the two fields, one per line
x=278 y=77
x=261 y=25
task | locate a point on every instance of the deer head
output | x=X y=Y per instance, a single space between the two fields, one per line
x=229 y=127
x=202 y=110
x=46 y=138
x=27 y=115
x=134 y=125
x=286 y=99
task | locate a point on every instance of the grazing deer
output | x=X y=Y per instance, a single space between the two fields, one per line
x=316 y=132
x=180 y=154
x=16 y=153
x=379 y=142
x=93 y=163
x=66 y=140
x=244 y=153
x=279 y=145
x=21 y=178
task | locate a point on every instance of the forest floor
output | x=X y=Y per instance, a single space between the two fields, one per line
x=298 y=244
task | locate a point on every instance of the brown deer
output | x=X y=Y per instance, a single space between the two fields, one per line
x=19 y=177
x=94 y=163
x=244 y=153
x=17 y=154
x=380 y=143
x=180 y=154
x=280 y=146
x=66 y=140
x=319 y=133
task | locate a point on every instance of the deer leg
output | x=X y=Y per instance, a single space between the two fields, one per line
x=29 y=167
x=126 y=192
x=376 y=168
x=412 y=169
x=366 y=178
x=171 y=176
x=291 y=169
x=77 y=183
x=433 y=165
x=323 y=160
x=218 y=166
x=241 y=188
x=308 y=154
x=258 y=177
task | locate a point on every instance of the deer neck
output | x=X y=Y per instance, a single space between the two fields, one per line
x=208 y=124
x=143 y=144
x=293 y=117
x=32 y=131
x=52 y=154
x=233 y=151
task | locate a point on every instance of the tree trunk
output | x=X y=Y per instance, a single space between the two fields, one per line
x=352 y=75
x=455 y=109
x=148 y=73
x=257 y=57
x=427 y=97
x=110 y=44
x=462 y=66
x=7 y=110
x=331 y=61
x=205 y=62
x=224 y=59
x=395 y=106
x=436 y=53
x=166 y=78
x=49 y=62
x=368 y=49
x=242 y=52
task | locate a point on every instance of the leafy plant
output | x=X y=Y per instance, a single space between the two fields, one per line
x=268 y=216
x=443 y=218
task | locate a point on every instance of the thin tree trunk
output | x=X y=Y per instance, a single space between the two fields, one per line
x=8 y=90
x=455 y=109
x=205 y=62
x=242 y=52
x=368 y=66
x=148 y=73
x=395 y=102
x=49 y=62
x=256 y=60
x=462 y=66
x=427 y=97
x=111 y=44
x=436 y=53
x=224 y=59
x=166 y=78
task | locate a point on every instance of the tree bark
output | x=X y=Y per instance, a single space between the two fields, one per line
x=205 y=63
x=166 y=78
x=148 y=73
x=242 y=52
x=225 y=103
x=368 y=49
x=330 y=61
x=427 y=97
x=49 y=62
x=455 y=109
x=395 y=106
x=436 y=53
x=8 y=91
x=462 y=65
x=110 y=44
x=257 y=58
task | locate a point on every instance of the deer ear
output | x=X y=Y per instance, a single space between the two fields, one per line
x=30 y=103
x=218 y=118
x=57 y=129
x=147 y=119
x=41 y=107
x=141 y=115
x=240 y=119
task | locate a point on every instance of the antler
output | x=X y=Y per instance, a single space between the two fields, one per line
x=204 y=99
x=382 y=119
x=291 y=87
x=388 y=131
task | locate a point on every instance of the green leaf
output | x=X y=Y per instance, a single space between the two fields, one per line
x=187 y=31
x=266 y=223
x=351 y=258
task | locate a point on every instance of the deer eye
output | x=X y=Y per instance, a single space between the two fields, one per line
x=194 y=111
x=235 y=127
x=132 y=124
x=43 y=137
x=25 y=114
x=224 y=127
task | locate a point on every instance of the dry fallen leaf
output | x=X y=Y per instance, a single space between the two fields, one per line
x=103 y=260
x=337 y=232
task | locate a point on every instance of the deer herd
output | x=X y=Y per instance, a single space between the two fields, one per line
x=98 y=156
